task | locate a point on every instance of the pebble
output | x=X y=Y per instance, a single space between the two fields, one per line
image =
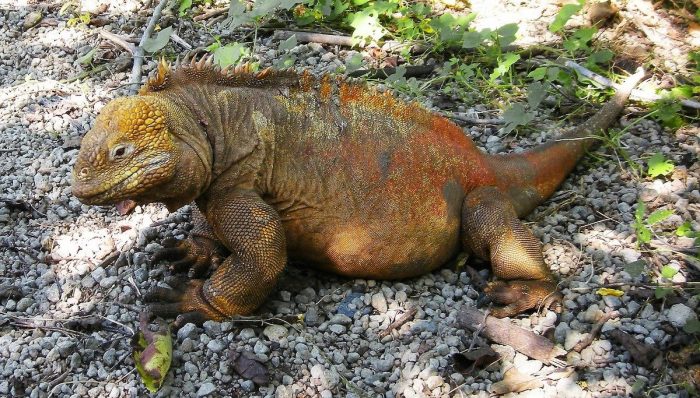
x=206 y=389
x=216 y=345
x=680 y=314
x=379 y=303
x=275 y=332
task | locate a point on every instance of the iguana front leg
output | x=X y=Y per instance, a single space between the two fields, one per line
x=200 y=252
x=252 y=231
x=492 y=231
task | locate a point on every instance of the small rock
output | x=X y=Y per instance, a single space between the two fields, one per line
x=275 y=332
x=24 y=303
x=53 y=294
x=337 y=329
x=340 y=319
x=379 y=303
x=260 y=348
x=248 y=385
x=678 y=315
x=188 y=330
x=206 y=389
x=434 y=382
x=572 y=338
x=423 y=325
x=216 y=345
x=108 y=282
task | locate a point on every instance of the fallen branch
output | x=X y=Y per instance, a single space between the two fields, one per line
x=135 y=80
x=118 y=40
x=641 y=353
x=264 y=321
x=400 y=321
x=310 y=37
x=474 y=120
x=595 y=330
x=177 y=39
x=211 y=14
x=121 y=64
x=636 y=93
x=383 y=73
x=502 y=331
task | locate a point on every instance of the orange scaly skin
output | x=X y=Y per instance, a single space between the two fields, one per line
x=333 y=173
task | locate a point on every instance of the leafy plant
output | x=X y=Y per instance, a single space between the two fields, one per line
x=657 y=165
x=160 y=40
x=643 y=225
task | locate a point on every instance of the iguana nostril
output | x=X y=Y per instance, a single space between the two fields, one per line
x=83 y=172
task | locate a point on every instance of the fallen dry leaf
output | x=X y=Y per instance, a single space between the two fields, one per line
x=476 y=360
x=248 y=366
x=514 y=381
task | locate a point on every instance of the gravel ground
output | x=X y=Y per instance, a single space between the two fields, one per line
x=78 y=302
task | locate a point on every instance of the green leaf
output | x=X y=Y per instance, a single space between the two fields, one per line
x=229 y=54
x=563 y=16
x=668 y=272
x=685 y=230
x=661 y=292
x=397 y=76
x=153 y=44
x=237 y=14
x=692 y=326
x=367 y=26
x=472 y=40
x=516 y=116
x=640 y=211
x=535 y=94
x=638 y=386
x=184 y=6
x=658 y=216
x=538 y=74
x=643 y=234
x=87 y=58
x=601 y=57
x=635 y=268
x=288 y=44
x=354 y=63
x=658 y=165
x=504 y=65
x=152 y=352
x=506 y=34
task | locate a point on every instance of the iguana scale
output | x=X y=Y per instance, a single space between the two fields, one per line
x=330 y=172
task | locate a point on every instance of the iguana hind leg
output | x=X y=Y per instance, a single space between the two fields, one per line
x=492 y=231
x=252 y=231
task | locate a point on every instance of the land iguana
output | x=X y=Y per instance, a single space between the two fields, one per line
x=323 y=170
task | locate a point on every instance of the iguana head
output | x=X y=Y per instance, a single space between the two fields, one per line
x=132 y=154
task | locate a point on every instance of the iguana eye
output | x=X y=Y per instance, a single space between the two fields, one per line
x=121 y=151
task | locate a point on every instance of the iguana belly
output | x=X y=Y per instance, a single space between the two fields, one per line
x=403 y=245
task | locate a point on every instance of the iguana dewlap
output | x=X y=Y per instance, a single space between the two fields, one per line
x=329 y=172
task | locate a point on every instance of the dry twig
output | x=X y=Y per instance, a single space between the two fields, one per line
x=595 y=330
x=400 y=321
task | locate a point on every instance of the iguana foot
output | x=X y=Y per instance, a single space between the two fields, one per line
x=185 y=303
x=199 y=255
x=521 y=295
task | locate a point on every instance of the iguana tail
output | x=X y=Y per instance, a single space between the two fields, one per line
x=531 y=177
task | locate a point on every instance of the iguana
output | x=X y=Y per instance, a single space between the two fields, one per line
x=323 y=170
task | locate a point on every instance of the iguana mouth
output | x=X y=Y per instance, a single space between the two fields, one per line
x=104 y=196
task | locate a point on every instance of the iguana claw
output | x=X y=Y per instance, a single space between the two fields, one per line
x=518 y=296
x=198 y=255
x=186 y=303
